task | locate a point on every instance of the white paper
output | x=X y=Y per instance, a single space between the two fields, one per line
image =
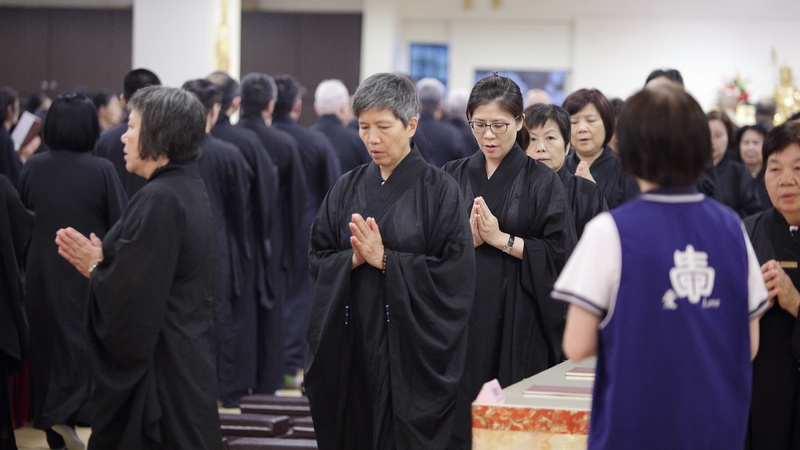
x=23 y=126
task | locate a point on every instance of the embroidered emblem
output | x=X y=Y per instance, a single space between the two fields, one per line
x=691 y=278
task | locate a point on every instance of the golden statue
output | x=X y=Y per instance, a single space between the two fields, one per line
x=223 y=40
x=787 y=97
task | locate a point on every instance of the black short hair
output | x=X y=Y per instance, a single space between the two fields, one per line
x=740 y=133
x=582 y=97
x=258 y=89
x=228 y=87
x=71 y=124
x=8 y=97
x=663 y=136
x=730 y=127
x=173 y=123
x=102 y=97
x=671 y=74
x=289 y=91
x=506 y=93
x=206 y=91
x=537 y=115
x=779 y=138
x=137 y=79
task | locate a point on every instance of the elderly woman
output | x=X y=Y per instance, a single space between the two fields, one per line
x=672 y=311
x=523 y=232
x=549 y=127
x=67 y=186
x=149 y=307
x=393 y=274
x=775 y=407
x=592 y=117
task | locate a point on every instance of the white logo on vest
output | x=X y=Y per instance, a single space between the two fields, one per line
x=691 y=278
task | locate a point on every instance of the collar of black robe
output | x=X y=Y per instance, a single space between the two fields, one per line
x=381 y=198
x=223 y=120
x=495 y=188
x=174 y=166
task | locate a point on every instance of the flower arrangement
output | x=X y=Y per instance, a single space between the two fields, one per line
x=734 y=87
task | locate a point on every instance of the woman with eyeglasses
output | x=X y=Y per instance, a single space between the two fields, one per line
x=65 y=186
x=592 y=118
x=523 y=232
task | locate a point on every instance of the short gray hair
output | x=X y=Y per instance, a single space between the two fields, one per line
x=387 y=91
x=330 y=96
x=457 y=102
x=431 y=94
x=173 y=122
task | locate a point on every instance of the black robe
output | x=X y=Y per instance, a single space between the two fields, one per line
x=228 y=179
x=618 y=187
x=63 y=189
x=110 y=147
x=149 y=320
x=470 y=145
x=10 y=165
x=515 y=328
x=321 y=166
x=775 y=405
x=351 y=150
x=386 y=351
x=735 y=187
x=257 y=279
x=438 y=141
x=286 y=243
x=584 y=197
x=15 y=233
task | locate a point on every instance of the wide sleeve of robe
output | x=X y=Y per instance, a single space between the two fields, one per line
x=418 y=348
x=15 y=232
x=549 y=240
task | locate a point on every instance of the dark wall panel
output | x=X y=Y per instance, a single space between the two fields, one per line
x=312 y=47
x=73 y=47
x=24 y=49
x=91 y=48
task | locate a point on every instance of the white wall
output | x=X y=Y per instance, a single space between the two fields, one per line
x=615 y=55
x=175 y=38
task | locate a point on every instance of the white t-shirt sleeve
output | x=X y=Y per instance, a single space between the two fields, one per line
x=758 y=303
x=590 y=278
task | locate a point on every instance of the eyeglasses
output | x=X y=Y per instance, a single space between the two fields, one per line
x=496 y=127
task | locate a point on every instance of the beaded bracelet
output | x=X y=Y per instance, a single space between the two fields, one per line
x=383 y=269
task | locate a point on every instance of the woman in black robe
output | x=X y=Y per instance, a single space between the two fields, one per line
x=15 y=232
x=549 y=128
x=523 y=232
x=149 y=306
x=67 y=186
x=393 y=273
x=775 y=405
x=734 y=183
x=592 y=129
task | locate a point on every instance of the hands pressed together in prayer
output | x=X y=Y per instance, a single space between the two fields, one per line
x=486 y=229
x=780 y=287
x=366 y=242
x=82 y=252
x=583 y=171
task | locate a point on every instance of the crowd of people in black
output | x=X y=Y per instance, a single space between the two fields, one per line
x=156 y=252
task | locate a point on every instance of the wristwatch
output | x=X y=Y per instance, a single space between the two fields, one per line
x=507 y=248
